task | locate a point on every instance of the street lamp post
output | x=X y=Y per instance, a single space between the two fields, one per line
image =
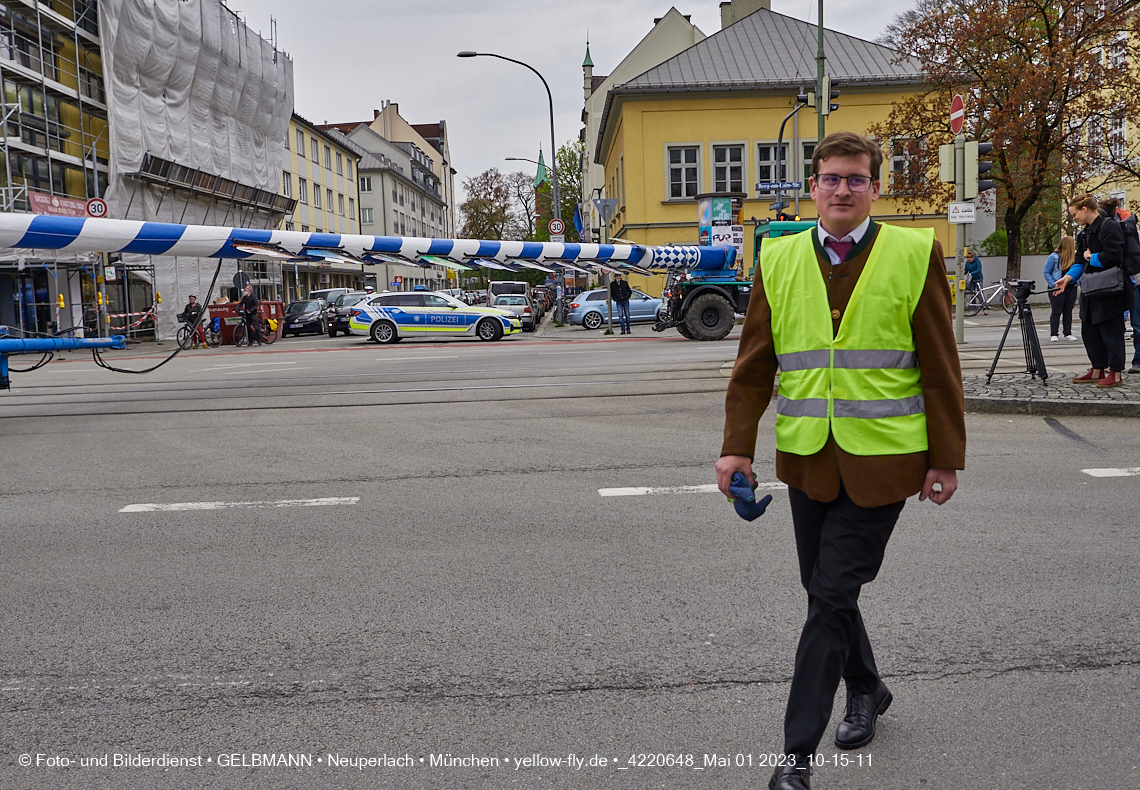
x=550 y=98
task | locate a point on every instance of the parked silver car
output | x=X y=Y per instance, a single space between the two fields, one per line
x=589 y=308
x=520 y=306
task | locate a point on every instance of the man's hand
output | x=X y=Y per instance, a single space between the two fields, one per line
x=727 y=465
x=945 y=479
x=1059 y=286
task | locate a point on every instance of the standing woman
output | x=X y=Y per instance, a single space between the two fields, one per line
x=1058 y=264
x=1100 y=246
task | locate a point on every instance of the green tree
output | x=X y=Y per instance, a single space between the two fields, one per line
x=487 y=210
x=569 y=164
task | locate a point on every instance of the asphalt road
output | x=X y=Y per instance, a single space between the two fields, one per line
x=326 y=548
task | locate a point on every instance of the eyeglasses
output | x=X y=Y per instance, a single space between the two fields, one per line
x=830 y=181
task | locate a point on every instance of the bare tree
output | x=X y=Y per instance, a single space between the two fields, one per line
x=1039 y=87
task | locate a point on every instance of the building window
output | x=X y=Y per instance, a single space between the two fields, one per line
x=348 y=169
x=351 y=208
x=766 y=169
x=728 y=168
x=315 y=148
x=683 y=170
x=286 y=183
x=300 y=144
x=304 y=228
x=328 y=158
x=339 y=164
x=288 y=226
x=328 y=202
x=302 y=190
x=91 y=85
x=906 y=169
x=316 y=197
x=340 y=204
x=395 y=199
x=366 y=183
x=365 y=216
x=395 y=222
x=809 y=152
x=1116 y=142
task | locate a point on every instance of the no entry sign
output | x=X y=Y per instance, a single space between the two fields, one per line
x=957 y=113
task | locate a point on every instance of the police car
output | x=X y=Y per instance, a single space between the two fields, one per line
x=390 y=317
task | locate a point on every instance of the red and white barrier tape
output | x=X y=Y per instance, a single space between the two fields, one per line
x=145 y=315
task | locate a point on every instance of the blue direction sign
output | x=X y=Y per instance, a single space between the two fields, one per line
x=779 y=204
x=772 y=186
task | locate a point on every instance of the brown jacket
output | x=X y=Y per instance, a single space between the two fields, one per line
x=870 y=480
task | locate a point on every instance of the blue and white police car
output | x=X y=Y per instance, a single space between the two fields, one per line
x=390 y=317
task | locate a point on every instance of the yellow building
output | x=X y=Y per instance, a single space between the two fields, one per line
x=708 y=120
x=321 y=176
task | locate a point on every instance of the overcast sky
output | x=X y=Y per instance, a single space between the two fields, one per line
x=351 y=55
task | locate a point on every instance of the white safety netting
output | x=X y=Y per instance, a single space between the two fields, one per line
x=189 y=82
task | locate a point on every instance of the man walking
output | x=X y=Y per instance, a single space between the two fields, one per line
x=856 y=315
x=619 y=294
x=248 y=309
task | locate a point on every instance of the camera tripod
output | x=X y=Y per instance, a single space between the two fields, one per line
x=1034 y=361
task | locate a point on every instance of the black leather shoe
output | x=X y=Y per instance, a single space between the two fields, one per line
x=791 y=777
x=858 y=726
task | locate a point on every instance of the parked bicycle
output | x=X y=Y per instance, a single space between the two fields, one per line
x=207 y=334
x=983 y=298
x=268 y=328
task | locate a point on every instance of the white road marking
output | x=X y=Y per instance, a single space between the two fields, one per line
x=705 y=489
x=409 y=359
x=1128 y=471
x=222 y=366
x=150 y=507
x=274 y=370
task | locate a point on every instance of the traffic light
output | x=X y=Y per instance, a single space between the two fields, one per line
x=807 y=99
x=974 y=168
x=829 y=91
x=946 y=163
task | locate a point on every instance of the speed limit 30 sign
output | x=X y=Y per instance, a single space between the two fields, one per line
x=97 y=208
x=556 y=226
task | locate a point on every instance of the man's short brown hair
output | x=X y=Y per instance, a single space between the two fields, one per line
x=848 y=144
x=1085 y=201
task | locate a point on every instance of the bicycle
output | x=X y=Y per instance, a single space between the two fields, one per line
x=268 y=328
x=212 y=337
x=985 y=297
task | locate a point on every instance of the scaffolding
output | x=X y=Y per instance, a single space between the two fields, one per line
x=53 y=144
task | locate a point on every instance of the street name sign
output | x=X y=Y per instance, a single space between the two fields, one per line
x=772 y=186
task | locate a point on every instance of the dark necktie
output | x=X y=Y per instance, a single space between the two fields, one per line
x=841 y=247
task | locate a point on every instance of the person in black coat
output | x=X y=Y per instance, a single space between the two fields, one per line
x=1102 y=316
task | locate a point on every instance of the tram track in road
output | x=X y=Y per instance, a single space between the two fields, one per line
x=249 y=401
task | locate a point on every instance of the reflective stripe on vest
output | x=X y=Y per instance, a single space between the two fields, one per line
x=861 y=383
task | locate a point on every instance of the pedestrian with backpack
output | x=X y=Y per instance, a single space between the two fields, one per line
x=1127 y=220
x=1100 y=256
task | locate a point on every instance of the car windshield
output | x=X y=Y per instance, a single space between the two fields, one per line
x=303 y=307
x=348 y=300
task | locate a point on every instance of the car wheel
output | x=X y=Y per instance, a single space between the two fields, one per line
x=592 y=320
x=489 y=329
x=384 y=332
x=710 y=317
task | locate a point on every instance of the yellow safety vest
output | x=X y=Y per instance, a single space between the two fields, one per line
x=861 y=383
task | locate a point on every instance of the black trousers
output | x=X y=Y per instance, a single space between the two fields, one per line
x=1062 y=304
x=840 y=547
x=1104 y=341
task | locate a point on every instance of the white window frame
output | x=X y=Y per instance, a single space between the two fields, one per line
x=727 y=145
x=286 y=183
x=351 y=208
x=366 y=184
x=781 y=168
x=914 y=178
x=339 y=163
x=317 y=196
x=315 y=145
x=300 y=144
x=684 y=165
x=302 y=191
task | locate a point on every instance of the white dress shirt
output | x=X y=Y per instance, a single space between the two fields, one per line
x=854 y=236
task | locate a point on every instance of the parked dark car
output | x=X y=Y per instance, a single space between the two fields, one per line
x=306 y=315
x=338 y=311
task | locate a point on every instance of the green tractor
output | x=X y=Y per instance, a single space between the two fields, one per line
x=703 y=303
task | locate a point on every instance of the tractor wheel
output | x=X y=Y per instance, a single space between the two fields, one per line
x=710 y=317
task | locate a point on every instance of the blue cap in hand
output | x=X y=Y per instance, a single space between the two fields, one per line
x=744 y=500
